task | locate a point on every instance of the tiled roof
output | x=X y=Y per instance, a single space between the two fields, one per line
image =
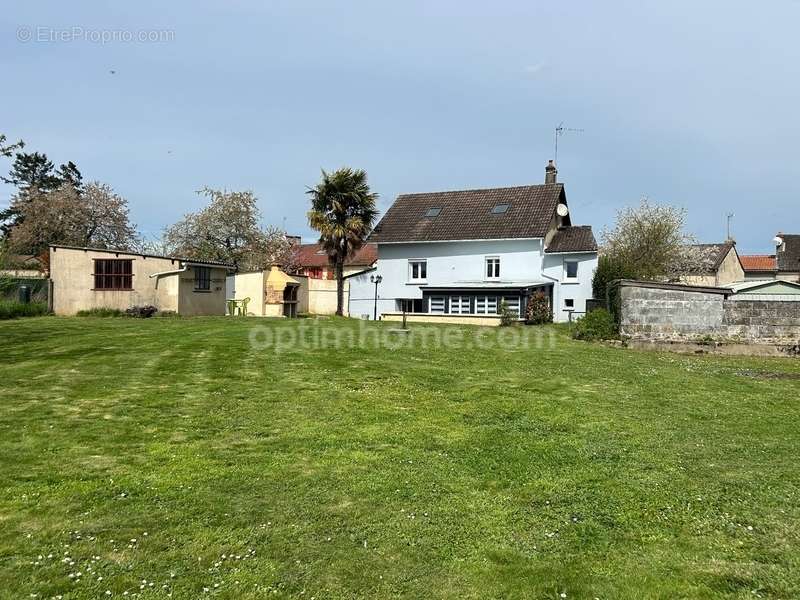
x=710 y=256
x=758 y=262
x=468 y=215
x=312 y=255
x=789 y=259
x=577 y=238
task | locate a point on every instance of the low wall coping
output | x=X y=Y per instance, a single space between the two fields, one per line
x=673 y=286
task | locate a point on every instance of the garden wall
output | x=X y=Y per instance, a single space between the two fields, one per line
x=660 y=311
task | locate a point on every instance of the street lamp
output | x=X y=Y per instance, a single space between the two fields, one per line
x=376 y=279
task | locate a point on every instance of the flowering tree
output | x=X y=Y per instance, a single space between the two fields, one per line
x=228 y=230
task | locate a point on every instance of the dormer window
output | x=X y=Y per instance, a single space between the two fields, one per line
x=500 y=209
x=433 y=211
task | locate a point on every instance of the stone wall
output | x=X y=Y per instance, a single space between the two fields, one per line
x=649 y=311
x=762 y=321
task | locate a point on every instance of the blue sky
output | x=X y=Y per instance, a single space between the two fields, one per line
x=688 y=103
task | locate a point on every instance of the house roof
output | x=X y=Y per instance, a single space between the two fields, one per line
x=576 y=238
x=711 y=256
x=312 y=255
x=768 y=286
x=487 y=214
x=193 y=261
x=758 y=262
x=789 y=259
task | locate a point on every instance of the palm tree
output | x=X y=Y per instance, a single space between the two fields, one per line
x=343 y=211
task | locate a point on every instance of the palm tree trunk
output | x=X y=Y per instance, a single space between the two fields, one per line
x=340 y=287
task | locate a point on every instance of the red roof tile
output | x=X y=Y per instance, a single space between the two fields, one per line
x=758 y=262
x=312 y=255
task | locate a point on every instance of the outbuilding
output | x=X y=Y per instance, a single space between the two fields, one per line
x=89 y=278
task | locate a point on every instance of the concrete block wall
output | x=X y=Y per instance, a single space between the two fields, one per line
x=655 y=313
x=676 y=313
x=762 y=321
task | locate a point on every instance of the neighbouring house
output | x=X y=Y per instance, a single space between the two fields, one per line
x=759 y=266
x=717 y=265
x=787 y=255
x=23 y=266
x=769 y=289
x=312 y=260
x=87 y=278
x=456 y=256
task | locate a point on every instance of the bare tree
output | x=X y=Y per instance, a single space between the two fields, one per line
x=97 y=217
x=228 y=230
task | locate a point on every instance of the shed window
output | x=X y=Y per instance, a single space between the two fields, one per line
x=202 y=279
x=113 y=274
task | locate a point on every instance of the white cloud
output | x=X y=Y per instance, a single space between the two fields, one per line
x=535 y=68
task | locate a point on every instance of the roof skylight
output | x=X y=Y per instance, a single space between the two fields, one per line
x=500 y=209
x=433 y=211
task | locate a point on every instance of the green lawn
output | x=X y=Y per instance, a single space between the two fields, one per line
x=167 y=456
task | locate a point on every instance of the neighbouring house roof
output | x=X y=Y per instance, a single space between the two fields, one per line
x=576 y=238
x=758 y=262
x=768 y=286
x=789 y=258
x=711 y=256
x=496 y=213
x=312 y=255
x=194 y=261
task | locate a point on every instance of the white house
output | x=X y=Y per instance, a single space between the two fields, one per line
x=454 y=256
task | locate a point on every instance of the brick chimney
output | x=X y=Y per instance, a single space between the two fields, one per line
x=550 y=172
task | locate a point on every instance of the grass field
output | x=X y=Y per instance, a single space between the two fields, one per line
x=168 y=456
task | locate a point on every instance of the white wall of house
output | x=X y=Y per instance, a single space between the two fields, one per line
x=465 y=261
x=579 y=289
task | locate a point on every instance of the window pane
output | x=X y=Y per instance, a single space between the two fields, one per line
x=572 y=269
x=423 y=270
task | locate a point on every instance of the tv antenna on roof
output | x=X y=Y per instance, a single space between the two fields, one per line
x=730 y=218
x=561 y=130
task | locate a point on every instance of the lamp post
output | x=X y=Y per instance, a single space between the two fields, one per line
x=376 y=279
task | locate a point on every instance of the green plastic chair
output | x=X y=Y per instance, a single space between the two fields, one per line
x=243 y=307
x=231 y=308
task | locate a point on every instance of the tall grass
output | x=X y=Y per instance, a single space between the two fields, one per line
x=101 y=312
x=13 y=310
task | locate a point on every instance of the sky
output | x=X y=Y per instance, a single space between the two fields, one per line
x=692 y=104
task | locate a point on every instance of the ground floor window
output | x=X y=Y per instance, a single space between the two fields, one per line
x=459 y=305
x=411 y=305
x=437 y=304
x=486 y=305
x=113 y=274
x=513 y=303
x=202 y=279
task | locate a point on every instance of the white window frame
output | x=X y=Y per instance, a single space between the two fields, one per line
x=459 y=305
x=517 y=303
x=495 y=262
x=577 y=264
x=486 y=305
x=412 y=262
x=440 y=300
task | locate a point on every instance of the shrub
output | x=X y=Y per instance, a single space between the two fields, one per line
x=538 y=311
x=13 y=310
x=609 y=269
x=507 y=316
x=141 y=312
x=596 y=325
x=100 y=312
